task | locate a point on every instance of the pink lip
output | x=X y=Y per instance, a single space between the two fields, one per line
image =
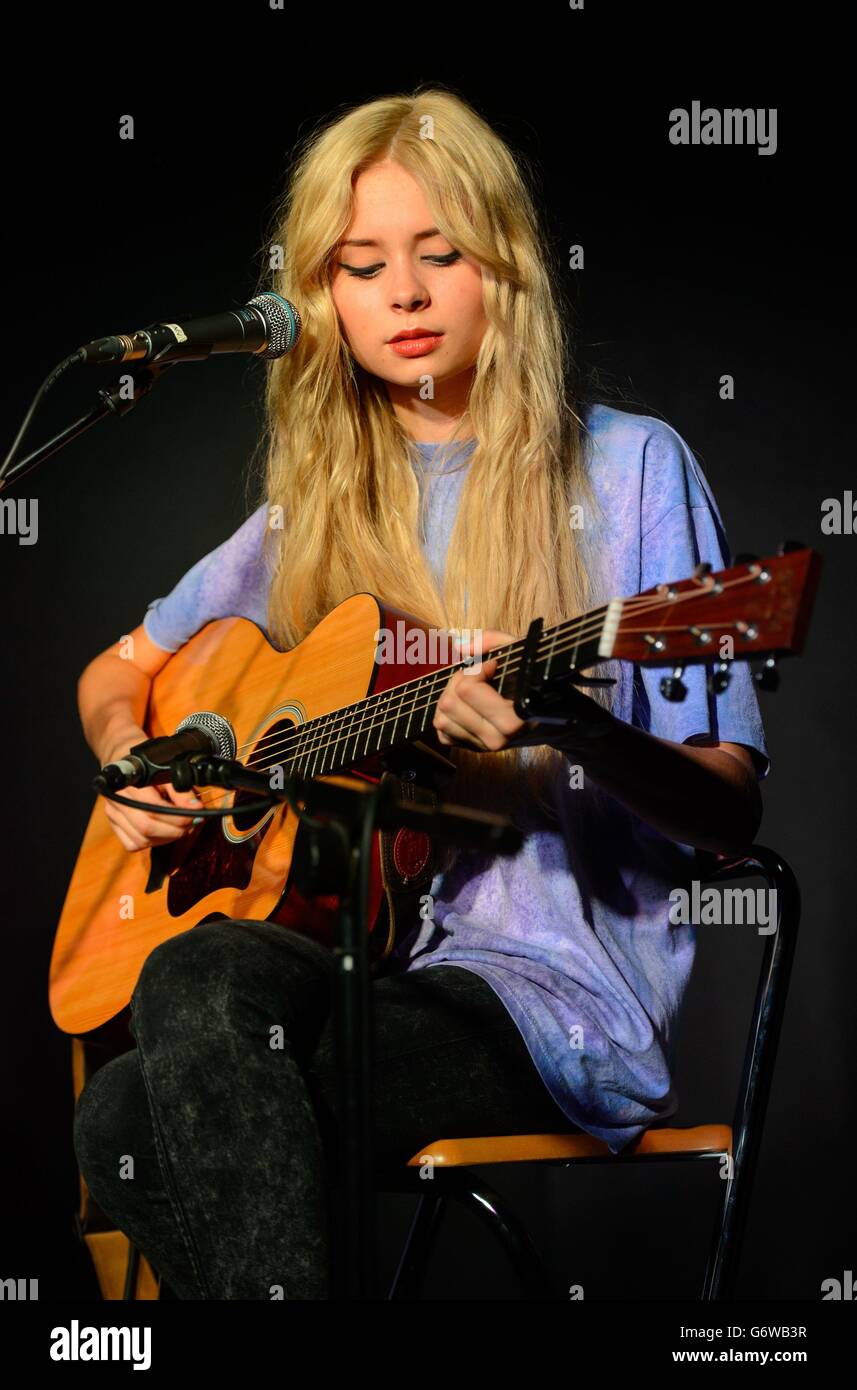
x=416 y=347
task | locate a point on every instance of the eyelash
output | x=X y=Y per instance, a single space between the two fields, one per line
x=370 y=271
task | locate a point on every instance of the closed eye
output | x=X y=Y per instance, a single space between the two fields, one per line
x=370 y=271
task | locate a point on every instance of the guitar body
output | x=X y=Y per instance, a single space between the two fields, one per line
x=120 y=905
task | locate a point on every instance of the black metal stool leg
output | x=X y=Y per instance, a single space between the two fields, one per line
x=482 y=1199
x=758 y=1069
x=409 y=1277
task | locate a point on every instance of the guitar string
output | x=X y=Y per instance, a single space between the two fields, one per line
x=420 y=684
x=309 y=740
x=299 y=736
x=503 y=654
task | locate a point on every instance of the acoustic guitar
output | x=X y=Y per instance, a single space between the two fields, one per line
x=330 y=708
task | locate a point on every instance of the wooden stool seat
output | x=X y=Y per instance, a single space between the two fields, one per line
x=531 y=1148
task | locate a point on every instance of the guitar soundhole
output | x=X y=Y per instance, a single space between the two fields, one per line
x=270 y=751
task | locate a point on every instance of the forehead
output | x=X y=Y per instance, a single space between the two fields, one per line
x=388 y=204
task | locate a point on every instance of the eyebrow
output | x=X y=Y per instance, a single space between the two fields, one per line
x=420 y=236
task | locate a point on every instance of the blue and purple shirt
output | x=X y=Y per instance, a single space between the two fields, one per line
x=573 y=932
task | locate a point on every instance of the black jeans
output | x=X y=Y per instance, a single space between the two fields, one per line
x=213 y=1144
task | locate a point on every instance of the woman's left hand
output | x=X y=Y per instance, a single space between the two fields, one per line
x=471 y=713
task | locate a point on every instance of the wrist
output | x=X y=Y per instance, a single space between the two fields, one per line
x=117 y=742
x=592 y=734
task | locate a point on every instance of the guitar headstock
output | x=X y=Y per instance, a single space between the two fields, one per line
x=763 y=606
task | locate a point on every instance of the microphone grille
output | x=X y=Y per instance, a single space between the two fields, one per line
x=216 y=725
x=283 y=320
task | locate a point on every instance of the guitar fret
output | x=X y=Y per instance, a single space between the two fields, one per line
x=369 y=732
x=556 y=632
x=302 y=761
x=503 y=674
x=318 y=746
x=367 y=716
x=355 y=758
x=410 y=718
x=399 y=714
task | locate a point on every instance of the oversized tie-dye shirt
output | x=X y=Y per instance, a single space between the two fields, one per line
x=573 y=932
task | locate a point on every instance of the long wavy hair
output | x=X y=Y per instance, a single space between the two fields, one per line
x=338 y=462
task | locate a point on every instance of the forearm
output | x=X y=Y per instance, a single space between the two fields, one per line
x=697 y=796
x=112 y=697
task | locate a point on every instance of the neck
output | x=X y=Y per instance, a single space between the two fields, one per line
x=437 y=420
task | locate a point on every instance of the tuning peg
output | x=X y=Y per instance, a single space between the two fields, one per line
x=673 y=687
x=702 y=570
x=718 y=678
x=786 y=547
x=745 y=558
x=769 y=677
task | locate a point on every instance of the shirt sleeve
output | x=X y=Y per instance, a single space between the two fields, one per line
x=230 y=581
x=688 y=530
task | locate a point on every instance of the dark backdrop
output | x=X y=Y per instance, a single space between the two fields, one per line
x=699 y=262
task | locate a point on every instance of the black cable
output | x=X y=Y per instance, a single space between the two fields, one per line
x=220 y=811
x=49 y=381
x=206 y=813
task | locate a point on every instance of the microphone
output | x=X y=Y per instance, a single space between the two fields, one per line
x=268 y=326
x=149 y=762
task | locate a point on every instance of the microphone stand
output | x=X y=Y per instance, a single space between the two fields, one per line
x=114 y=401
x=355 y=815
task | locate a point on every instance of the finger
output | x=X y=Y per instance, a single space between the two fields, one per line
x=128 y=834
x=124 y=839
x=138 y=823
x=485 y=738
x=165 y=792
x=155 y=827
x=472 y=711
x=485 y=700
x=475 y=646
x=188 y=798
x=451 y=733
x=480 y=670
x=459 y=721
x=483 y=639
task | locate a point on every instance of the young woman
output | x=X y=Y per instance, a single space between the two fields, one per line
x=461 y=480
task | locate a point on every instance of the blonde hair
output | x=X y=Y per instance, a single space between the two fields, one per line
x=338 y=461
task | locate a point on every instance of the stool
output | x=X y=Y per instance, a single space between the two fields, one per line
x=451 y=1159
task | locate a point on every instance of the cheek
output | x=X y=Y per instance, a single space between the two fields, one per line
x=469 y=306
x=350 y=307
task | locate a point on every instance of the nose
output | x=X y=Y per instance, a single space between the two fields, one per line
x=409 y=291
x=411 y=302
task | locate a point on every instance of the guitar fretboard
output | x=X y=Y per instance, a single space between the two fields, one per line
x=343 y=738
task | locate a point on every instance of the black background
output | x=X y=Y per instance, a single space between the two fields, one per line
x=700 y=261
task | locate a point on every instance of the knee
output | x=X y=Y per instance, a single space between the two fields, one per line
x=214 y=976
x=187 y=973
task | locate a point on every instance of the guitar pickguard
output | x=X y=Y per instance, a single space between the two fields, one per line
x=211 y=858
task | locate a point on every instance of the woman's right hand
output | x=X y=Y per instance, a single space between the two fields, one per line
x=144 y=829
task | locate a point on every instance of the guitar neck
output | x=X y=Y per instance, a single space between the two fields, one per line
x=337 y=741
x=754 y=608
